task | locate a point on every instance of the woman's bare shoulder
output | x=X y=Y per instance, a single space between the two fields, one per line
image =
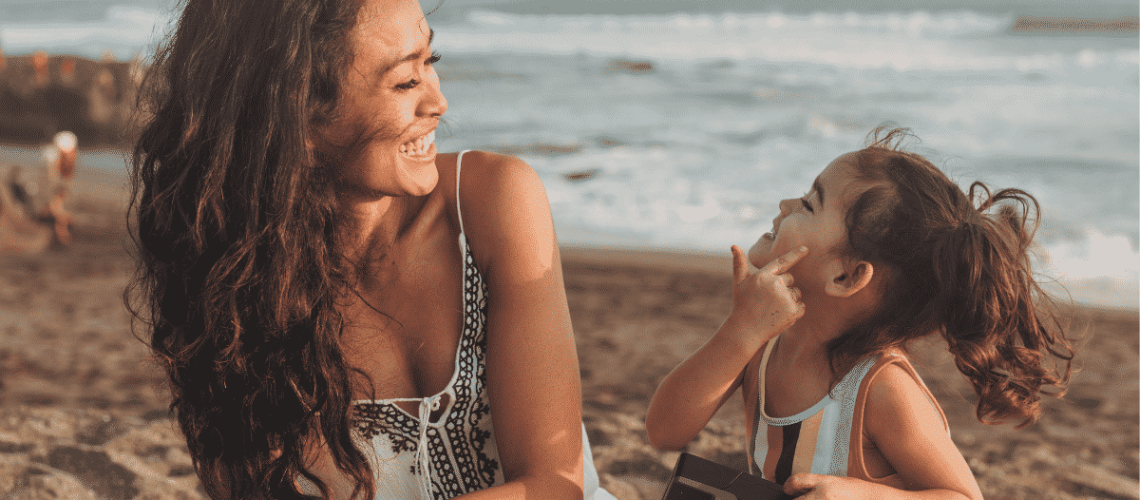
x=492 y=182
x=504 y=206
x=484 y=176
x=481 y=167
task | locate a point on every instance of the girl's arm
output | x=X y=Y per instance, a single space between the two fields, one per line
x=532 y=365
x=764 y=304
x=911 y=434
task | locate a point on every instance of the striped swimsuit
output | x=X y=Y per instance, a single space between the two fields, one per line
x=826 y=438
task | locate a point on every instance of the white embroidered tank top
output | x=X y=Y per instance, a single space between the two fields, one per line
x=415 y=458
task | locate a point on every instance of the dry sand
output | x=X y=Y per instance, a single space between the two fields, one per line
x=83 y=413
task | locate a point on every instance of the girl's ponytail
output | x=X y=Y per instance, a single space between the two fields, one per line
x=958 y=264
x=997 y=322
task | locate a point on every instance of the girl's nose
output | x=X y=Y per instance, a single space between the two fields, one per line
x=786 y=206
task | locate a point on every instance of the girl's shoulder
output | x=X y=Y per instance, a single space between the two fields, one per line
x=898 y=420
x=893 y=389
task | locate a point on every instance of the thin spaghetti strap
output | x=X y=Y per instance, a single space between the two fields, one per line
x=458 y=169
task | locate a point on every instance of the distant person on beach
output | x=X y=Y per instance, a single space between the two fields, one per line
x=341 y=311
x=33 y=215
x=884 y=249
x=59 y=165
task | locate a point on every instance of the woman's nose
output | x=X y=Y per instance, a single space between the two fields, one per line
x=434 y=103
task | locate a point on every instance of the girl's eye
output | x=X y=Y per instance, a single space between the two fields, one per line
x=435 y=57
x=807 y=205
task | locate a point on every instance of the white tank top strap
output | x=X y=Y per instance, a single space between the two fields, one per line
x=458 y=210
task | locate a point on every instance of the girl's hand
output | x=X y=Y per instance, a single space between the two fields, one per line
x=805 y=486
x=764 y=303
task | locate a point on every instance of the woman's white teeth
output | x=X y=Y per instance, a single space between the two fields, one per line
x=418 y=146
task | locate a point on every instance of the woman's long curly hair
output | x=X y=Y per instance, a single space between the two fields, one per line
x=958 y=263
x=240 y=272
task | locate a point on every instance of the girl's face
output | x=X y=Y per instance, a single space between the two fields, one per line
x=816 y=220
x=390 y=99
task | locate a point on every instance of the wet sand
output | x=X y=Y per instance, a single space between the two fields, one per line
x=83 y=412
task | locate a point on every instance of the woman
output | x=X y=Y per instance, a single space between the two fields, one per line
x=301 y=279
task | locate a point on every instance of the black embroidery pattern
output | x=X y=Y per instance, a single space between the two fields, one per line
x=462 y=462
x=372 y=419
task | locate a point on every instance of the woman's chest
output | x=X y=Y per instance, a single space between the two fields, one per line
x=404 y=330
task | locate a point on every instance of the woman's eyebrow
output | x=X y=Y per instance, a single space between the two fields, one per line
x=410 y=57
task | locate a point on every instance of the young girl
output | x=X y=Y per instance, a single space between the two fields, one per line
x=884 y=249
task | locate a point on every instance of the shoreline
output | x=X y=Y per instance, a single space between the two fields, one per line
x=683 y=260
x=106 y=186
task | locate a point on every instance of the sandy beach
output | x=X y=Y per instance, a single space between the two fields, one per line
x=83 y=412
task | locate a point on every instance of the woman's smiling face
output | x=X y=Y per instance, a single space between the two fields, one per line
x=817 y=220
x=389 y=104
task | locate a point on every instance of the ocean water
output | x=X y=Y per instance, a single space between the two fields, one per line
x=680 y=125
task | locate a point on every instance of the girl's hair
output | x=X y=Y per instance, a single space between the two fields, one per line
x=240 y=272
x=956 y=263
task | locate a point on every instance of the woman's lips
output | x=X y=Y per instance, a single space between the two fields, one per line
x=420 y=146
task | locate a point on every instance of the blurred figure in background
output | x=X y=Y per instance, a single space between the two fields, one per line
x=33 y=214
x=59 y=169
x=40 y=67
